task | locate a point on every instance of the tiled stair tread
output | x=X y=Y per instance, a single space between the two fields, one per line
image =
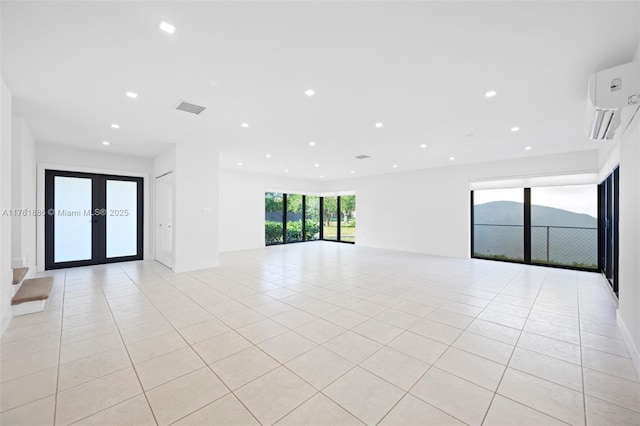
x=33 y=289
x=19 y=274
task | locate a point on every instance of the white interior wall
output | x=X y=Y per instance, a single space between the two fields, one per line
x=50 y=156
x=626 y=152
x=242 y=205
x=164 y=162
x=16 y=193
x=196 y=208
x=428 y=211
x=6 y=288
x=23 y=194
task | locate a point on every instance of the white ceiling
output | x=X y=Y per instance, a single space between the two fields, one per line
x=421 y=68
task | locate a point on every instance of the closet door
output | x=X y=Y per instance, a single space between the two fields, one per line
x=164 y=219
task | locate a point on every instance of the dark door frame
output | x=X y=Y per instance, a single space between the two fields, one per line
x=99 y=228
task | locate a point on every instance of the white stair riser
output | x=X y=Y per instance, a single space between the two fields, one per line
x=28 y=307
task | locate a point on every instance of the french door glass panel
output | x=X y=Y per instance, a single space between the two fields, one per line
x=122 y=213
x=498 y=227
x=73 y=224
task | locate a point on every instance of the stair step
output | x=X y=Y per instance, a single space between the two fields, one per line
x=33 y=289
x=19 y=274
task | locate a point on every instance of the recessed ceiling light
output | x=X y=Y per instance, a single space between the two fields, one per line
x=424 y=145
x=312 y=144
x=491 y=93
x=105 y=143
x=244 y=125
x=115 y=126
x=286 y=170
x=167 y=27
x=395 y=166
x=527 y=148
x=268 y=155
x=132 y=95
x=352 y=172
x=309 y=92
x=316 y=165
x=321 y=177
x=379 y=125
x=452 y=158
x=515 y=129
x=239 y=163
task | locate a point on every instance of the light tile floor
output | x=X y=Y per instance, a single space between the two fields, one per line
x=322 y=334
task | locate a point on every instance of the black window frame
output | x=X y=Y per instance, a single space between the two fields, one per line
x=527 y=237
x=608 y=228
x=304 y=221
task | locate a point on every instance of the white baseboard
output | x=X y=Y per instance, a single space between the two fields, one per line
x=17 y=262
x=631 y=347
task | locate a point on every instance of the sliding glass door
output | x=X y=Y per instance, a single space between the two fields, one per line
x=564 y=226
x=555 y=226
x=92 y=219
x=498 y=224
x=609 y=208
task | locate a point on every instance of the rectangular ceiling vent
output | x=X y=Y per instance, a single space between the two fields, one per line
x=362 y=157
x=192 y=108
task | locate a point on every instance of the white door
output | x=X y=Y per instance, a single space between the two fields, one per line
x=164 y=219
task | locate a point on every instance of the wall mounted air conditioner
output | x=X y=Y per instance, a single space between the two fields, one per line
x=613 y=101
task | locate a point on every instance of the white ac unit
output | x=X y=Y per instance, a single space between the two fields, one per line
x=614 y=99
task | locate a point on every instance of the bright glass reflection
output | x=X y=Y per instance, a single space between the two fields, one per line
x=122 y=223
x=72 y=220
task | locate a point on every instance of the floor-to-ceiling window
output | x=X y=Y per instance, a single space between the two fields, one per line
x=564 y=226
x=554 y=225
x=312 y=217
x=291 y=218
x=295 y=210
x=498 y=224
x=330 y=218
x=347 y=218
x=273 y=218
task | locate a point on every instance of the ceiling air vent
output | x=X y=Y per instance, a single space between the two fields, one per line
x=192 y=108
x=362 y=157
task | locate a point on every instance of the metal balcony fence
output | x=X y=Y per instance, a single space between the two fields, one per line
x=554 y=245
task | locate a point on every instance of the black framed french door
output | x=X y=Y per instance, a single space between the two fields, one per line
x=92 y=219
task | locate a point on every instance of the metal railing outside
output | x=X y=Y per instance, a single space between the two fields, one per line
x=553 y=245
